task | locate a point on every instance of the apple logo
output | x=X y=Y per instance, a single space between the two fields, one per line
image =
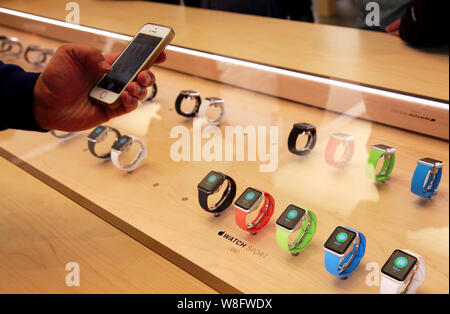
x=221 y=233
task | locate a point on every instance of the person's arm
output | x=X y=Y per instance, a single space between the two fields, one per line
x=16 y=98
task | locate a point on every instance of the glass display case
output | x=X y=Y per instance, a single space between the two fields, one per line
x=353 y=97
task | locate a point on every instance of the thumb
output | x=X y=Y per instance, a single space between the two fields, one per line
x=89 y=57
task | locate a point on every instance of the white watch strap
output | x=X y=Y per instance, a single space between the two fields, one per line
x=389 y=286
x=205 y=105
x=140 y=157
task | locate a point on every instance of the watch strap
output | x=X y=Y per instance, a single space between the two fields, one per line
x=333 y=262
x=91 y=145
x=283 y=235
x=202 y=112
x=179 y=101
x=330 y=152
x=386 y=169
x=292 y=141
x=418 y=180
x=225 y=200
x=140 y=157
x=263 y=215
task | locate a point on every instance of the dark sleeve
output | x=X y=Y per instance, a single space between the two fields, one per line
x=16 y=98
x=426 y=23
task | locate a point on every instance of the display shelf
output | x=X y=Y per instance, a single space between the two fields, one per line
x=365 y=57
x=157 y=204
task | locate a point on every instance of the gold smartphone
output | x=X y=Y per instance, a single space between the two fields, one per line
x=140 y=54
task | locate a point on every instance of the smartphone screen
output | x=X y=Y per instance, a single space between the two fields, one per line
x=129 y=62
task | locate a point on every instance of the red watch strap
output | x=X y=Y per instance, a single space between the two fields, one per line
x=241 y=216
x=331 y=150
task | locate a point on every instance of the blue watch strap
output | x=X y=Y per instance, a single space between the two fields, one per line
x=332 y=261
x=419 y=177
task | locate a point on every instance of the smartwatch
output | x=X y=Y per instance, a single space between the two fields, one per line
x=248 y=202
x=210 y=185
x=11 y=46
x=292 y=219
x=153 y=94
x=188 y=95
x=300 y=129
x=123 y=143
x=99 y=135
x=344 y=250
x=336 y=140
x=376 y=153
x=426 y=167
x=4 y=44
x=36 y=55
x=403 y=273
x=62 y=135
x=212 y=102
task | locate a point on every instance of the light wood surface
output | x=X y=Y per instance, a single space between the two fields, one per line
x=365 y=57
x=41 y=231
x=157 y=204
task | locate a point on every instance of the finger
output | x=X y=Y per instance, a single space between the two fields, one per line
x=393 y=26
x=87 y=56
x=161 y=58
x=111 y=57
x=129 y=102
x=135 y=90
x=146 y=78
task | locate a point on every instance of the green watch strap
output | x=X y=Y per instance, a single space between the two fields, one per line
x=386 y=169
x=283 y=235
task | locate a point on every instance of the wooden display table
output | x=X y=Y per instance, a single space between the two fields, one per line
x=157 y=204
x=364 y=57
x=42 y=231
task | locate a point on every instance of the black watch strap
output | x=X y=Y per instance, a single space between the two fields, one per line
x=154 y=92
x=225 y=201
x=292 y=141
x=180 y=99
x=91 y=145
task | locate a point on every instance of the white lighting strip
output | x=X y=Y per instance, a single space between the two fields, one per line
x=351 y=86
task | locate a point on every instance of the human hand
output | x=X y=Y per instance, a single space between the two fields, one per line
x=393 y=28
x=60 y=96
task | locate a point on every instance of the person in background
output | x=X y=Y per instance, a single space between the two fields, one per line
x=390 y=11
x=299 y=10
x=425 y=23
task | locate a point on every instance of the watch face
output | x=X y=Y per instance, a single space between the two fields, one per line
x=122 y=142
x=97 y=132
x=211 y=182
x=290 y=217
x=248 y=199
x=431 y=162
x=384 y=148
x=190 y=93
x=399 y=265
x=343 y=137
x=340 y=240
x=304 y=127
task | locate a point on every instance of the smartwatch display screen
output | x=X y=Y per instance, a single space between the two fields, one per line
x=122 y=142
x=98 y=130
x=248 y=198
x=399 y=265
x=340 y=240
x=290 y=217
x=211 y=182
